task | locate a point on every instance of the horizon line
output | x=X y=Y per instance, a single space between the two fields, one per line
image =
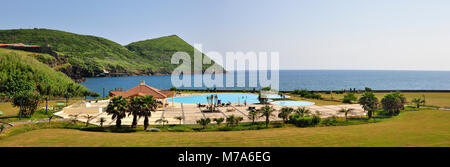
x=344 y=70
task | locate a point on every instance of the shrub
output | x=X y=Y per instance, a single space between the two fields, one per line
x=293 y=117
x=306 y=121
x=316 y=120
x=306 y=94
x=28 y=101
x=204 y=122
x=331 y=121
x=313 y=96
x=393 y=103
x=349 y=98
x=301 y=93
x=339 y=92
x=233 y=120
x=303 y=122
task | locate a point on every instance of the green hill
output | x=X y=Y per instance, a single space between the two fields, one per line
x=87 y=56
x=20 y=70
x=159 y=51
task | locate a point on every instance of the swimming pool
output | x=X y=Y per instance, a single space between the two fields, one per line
x=293 y=103
x=223 y=97
x=275 y=96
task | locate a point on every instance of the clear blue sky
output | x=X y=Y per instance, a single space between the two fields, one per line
x=308 y=34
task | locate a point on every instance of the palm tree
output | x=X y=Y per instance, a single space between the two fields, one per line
x=302 y=111
x=218 y=121
x=216 y=98
x=88 y=119
x=237 y=120
x=346 y=111
x=67 y=96
x=134 y=108
x=162 y=120
x=1 y=128
x=204 y=122
x=424 y=101
x=233 y=120
x=117 y=108
x=267 y=111
x=284 y=113
x=369 y=103
x=101 y=120
x=418 y=101
x=261 y=99
x=180 y=118
x=230 y=119
x=212 y=101
x=281 y=95
x=253 y=115
x=73 y=118
x=149 y=106
x=50 y=116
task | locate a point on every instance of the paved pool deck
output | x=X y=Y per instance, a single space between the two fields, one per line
x=192 y=113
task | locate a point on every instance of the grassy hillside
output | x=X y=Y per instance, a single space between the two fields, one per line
x=415 y=128
x=17 y=68
x=160 y=50
x=86 y=56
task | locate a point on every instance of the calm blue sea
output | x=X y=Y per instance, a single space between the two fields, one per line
x=305 y=79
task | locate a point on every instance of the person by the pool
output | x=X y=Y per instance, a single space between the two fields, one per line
x=245 y=102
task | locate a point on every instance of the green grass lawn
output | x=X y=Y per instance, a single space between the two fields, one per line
x=10 y=113
x=8 y=109
x=316 y=101
x=436 y=99
x=413 y=128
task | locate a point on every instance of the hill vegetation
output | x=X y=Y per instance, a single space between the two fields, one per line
x=159 y=51
x=20 y=70
x=88 y=56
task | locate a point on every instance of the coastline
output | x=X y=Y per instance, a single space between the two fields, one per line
x=103 y=75
x=325 y=91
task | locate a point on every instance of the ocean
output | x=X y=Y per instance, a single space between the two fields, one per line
x=301 y=79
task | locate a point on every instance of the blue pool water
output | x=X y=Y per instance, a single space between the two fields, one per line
x=223 y=97
x=275 y=96
x=293 y=103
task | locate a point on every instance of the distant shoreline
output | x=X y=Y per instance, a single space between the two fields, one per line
x=105 y=75
x=324 y=91
x=312 y=80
